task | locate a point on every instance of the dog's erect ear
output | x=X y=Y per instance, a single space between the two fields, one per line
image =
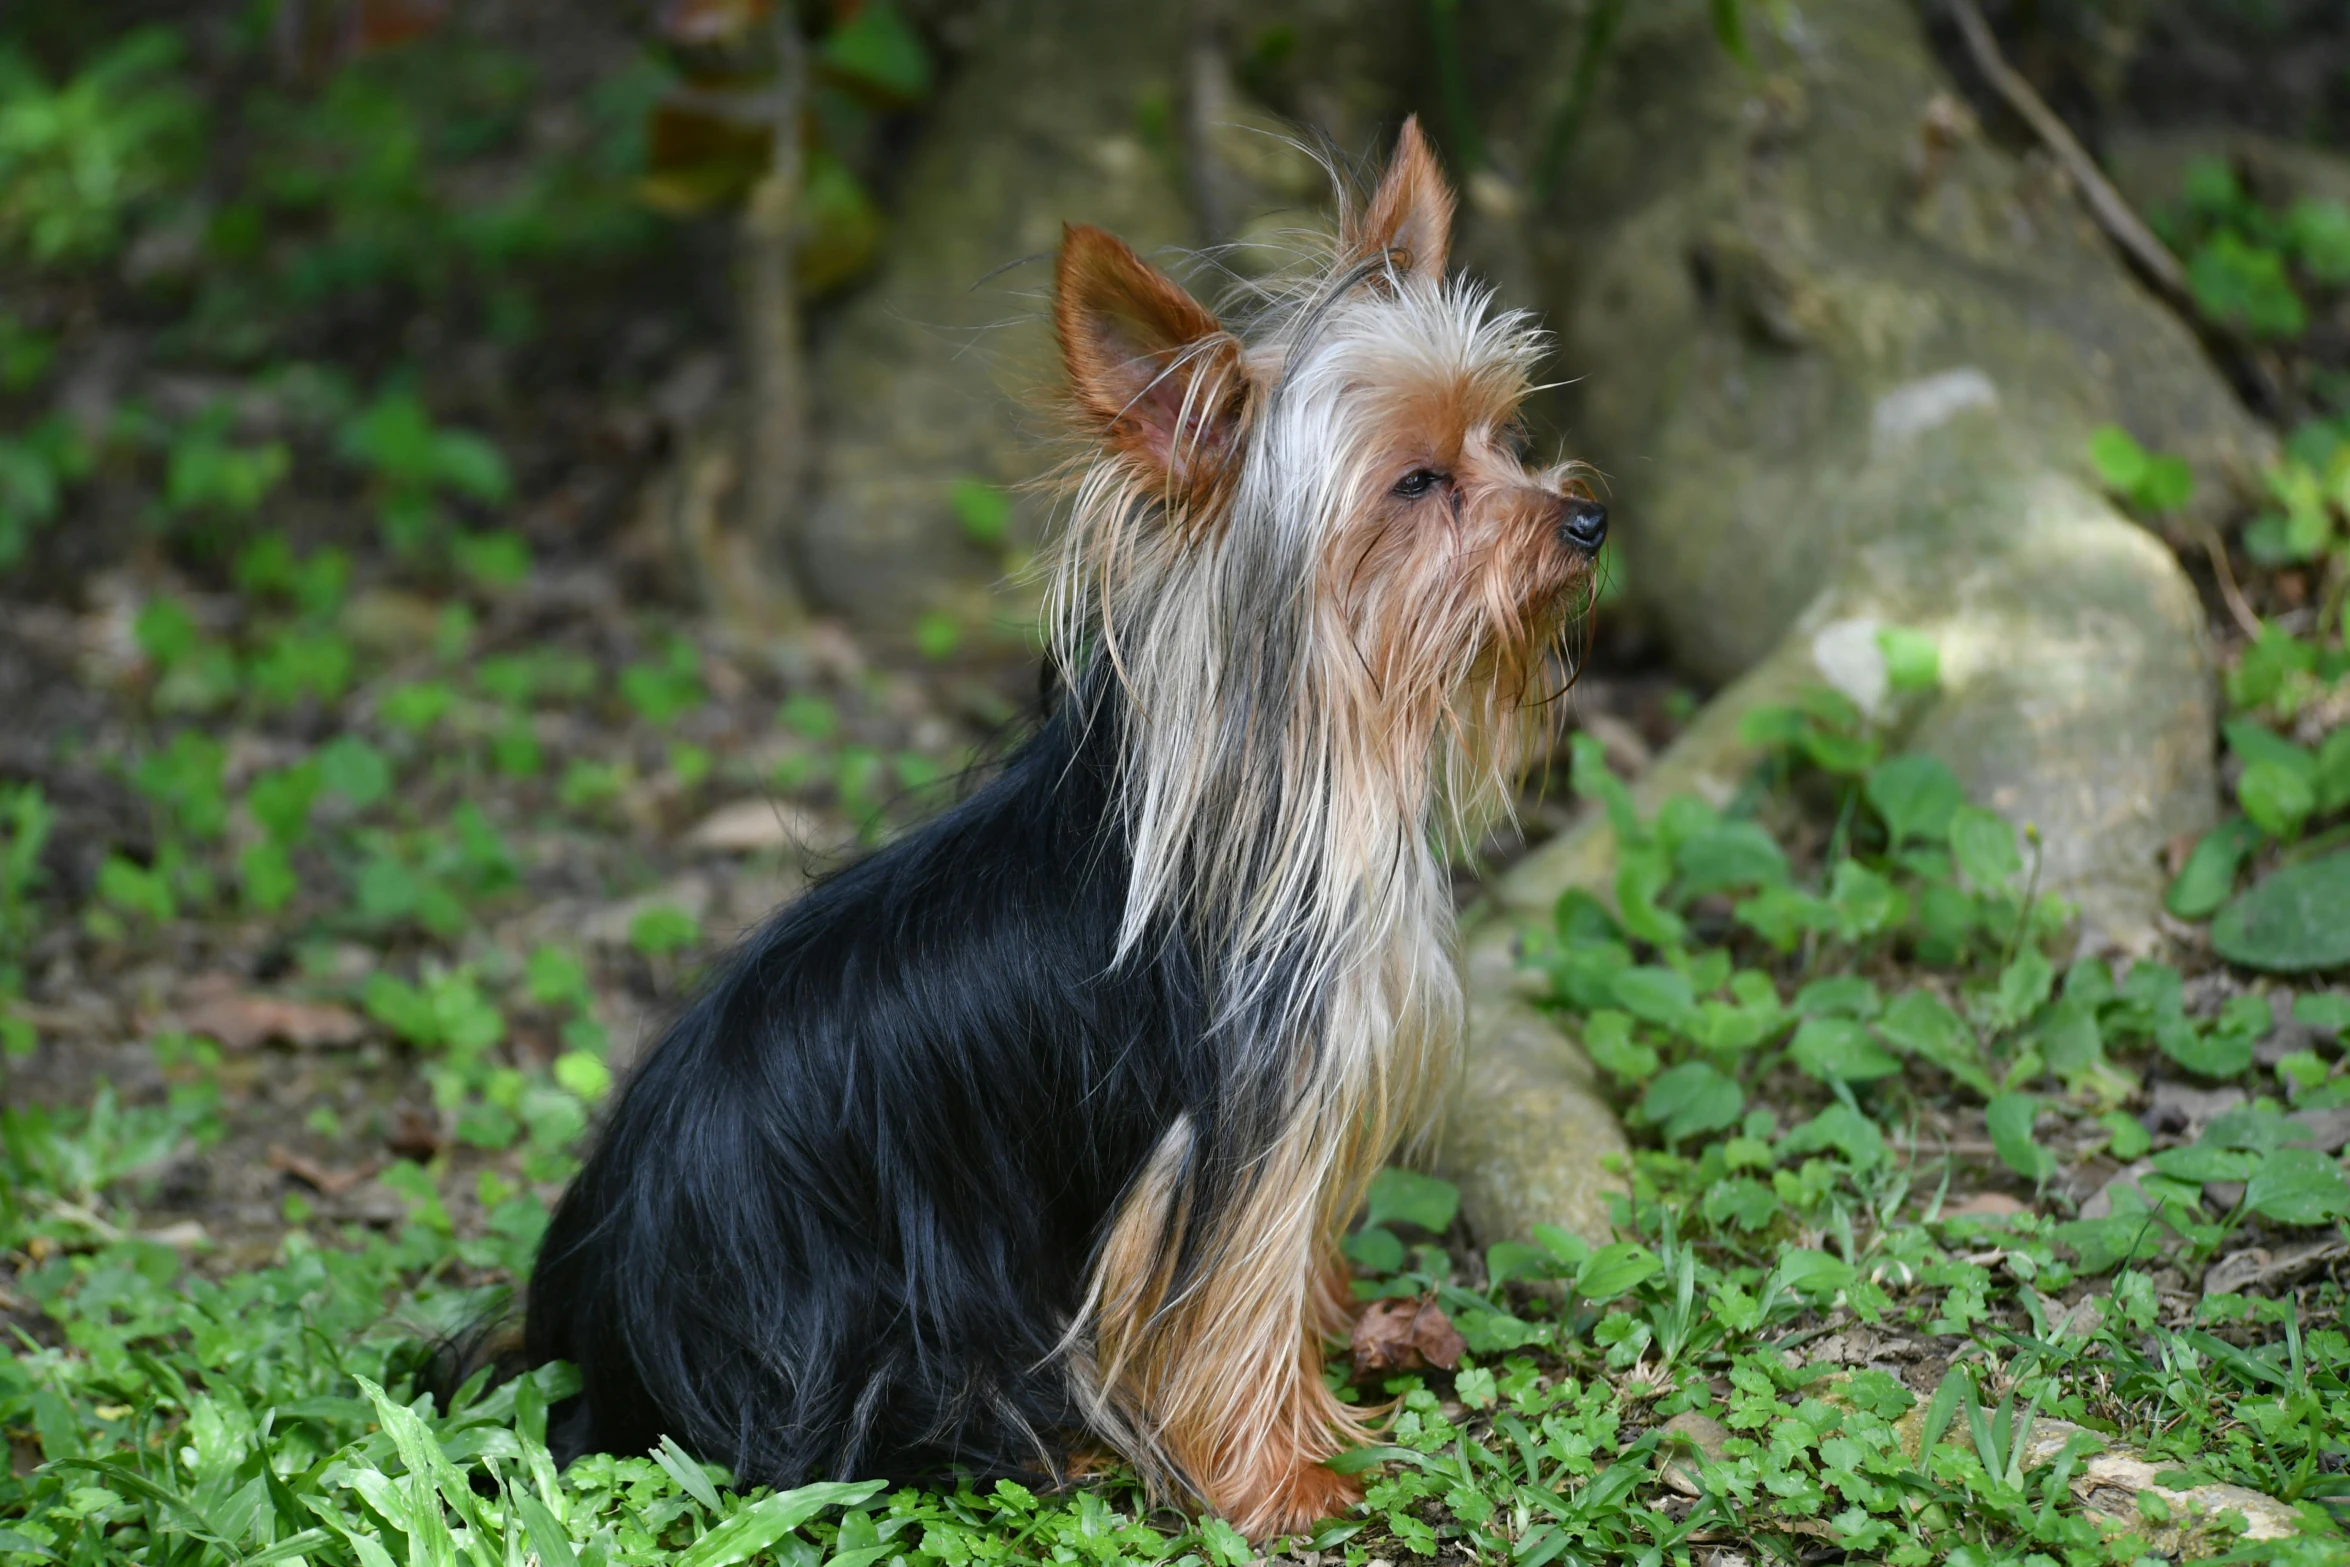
x=1410 y=216
x=1154 y=374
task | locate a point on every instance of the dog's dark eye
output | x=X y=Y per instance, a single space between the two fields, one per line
x=1419 y=482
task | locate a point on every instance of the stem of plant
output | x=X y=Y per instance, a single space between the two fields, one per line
x=1452 y=79
x=1599 y=35
x=2023 y=918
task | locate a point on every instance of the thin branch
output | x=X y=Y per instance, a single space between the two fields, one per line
x=1208 y=106
x=2113 y=214
x=1452 y=81
x=756 y=585
x=2238 y=609
x=1599 y=36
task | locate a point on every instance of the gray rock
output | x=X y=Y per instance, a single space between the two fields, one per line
x=1528 y=1132
x=1839 y=362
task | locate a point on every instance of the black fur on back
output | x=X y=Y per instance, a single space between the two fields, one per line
x=841 y=1216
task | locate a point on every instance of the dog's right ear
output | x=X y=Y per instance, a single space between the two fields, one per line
x=1409 y=218
x=1155 y=376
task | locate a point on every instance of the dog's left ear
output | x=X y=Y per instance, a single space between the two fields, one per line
x=1155 y=375
x=1410 y=216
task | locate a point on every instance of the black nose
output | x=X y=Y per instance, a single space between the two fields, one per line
x=1583 y=524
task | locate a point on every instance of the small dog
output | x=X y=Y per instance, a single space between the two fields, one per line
x=1035 y=1133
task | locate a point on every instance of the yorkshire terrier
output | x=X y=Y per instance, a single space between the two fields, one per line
x=1034 y=1134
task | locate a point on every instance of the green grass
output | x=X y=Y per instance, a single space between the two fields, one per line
x=1778 y=1031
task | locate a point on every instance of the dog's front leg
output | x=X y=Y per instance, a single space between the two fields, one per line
x=1209 y=1376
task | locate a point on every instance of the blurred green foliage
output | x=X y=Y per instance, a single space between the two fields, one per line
x=78 y=158
x=2250 y=267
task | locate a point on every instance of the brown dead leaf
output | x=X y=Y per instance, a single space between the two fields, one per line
x=1404 y=1335
x=702 y=22
x=316 y=1176
x=2175 y=852
x=315 y=37
x=697 y=156
x=186 y=1235
x=2111 y=1483
x=416 y=1135
x=2326 y=1130
x=2099 y=1204
x=381 y=24
x=748 y=826
x=1855 y=1346
x=1983 y=1205
x=1707 y=1437
x=245 y=1020
x=2257 y=1271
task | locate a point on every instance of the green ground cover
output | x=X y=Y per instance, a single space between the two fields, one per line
x=1782 y=1033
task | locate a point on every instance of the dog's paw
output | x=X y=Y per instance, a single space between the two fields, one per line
x=1302 y=1499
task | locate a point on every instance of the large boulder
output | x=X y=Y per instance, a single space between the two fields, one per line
x=1839 y=359
x=1843 y=357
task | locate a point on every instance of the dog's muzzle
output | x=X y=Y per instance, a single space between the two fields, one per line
x=1582 y=524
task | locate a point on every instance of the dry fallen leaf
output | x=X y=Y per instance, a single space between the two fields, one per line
x=329 y=1182
x=384 y=23
x=186 y=1235
x=1707 y=1437
x=2111 y=1482
x=2257 y=1271
x=417 y=1135
x=245 y=1020
x=710 y=21
x=1404 y=1335
x=746 y=826
x=1985 y=1204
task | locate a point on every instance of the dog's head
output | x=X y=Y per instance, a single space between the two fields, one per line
x=1344 y=485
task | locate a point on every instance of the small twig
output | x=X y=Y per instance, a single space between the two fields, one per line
x=75 y=1212
x=1209 y=106
x=1468 y=149
x=2114 y=215
x=2023 y=918
x=1599 y=36
x=1957 y=1146
x=2239 y=609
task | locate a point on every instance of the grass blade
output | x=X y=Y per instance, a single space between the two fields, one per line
x=1940 y=1413
x=1979 y=1429
x=769 y=1519
x=291 y=1546
x=688 y=1474
x=547 y=1537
